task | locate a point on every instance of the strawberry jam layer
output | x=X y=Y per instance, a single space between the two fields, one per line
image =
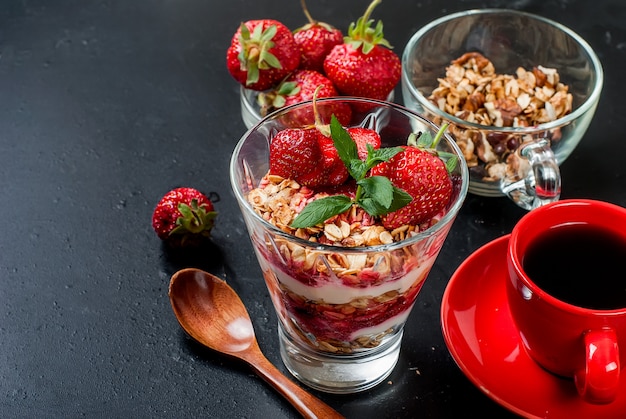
x=347 y=322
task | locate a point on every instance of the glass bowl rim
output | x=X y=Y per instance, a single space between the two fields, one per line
x=448 y=218
x=588 y=104
x=248 y=105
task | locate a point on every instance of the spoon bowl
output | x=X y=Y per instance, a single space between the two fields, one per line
x=212 y=313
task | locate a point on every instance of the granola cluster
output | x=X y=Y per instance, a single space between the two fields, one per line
x=474 y=92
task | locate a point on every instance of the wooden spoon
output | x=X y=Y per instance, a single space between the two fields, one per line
x=210 y=311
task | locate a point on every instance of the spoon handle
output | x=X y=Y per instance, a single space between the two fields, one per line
x=305 y=403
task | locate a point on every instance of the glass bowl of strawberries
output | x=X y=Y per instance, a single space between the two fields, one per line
x=518 y=90
x=276 y=67
x=346 y=216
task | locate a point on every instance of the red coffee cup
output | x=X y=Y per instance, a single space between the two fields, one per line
x=567 y=292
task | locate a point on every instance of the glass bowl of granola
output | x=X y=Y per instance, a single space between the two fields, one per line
x=343 y=287
x=518 y=90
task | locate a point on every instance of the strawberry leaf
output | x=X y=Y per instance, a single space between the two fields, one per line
x=279 y=101
x=320 y=210
x=362 y=35
x=265 y=35
x=267 y=60
x=422 y=139
x=288 y=88
x=426 y=141
x=253 y=74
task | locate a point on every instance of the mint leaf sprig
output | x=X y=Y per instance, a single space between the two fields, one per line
x=375 y=194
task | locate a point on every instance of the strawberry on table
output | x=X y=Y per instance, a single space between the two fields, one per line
x=184 y=217
x=261 y=53
x=364 y=65
x=316 y=40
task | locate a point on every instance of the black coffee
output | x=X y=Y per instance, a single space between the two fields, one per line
x=580 y=265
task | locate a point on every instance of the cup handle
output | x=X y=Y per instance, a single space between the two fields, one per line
x=542 y=183
x=598 y=381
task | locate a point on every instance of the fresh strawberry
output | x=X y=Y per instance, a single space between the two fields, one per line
x=364 y=65
x=316 y=40
x=184 y=217
x=301 y=86
x=422 y=175
x=335 y=172
x=362 y=137
x=295 y=154
x=261 y=53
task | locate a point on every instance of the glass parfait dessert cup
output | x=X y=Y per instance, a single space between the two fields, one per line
x=341 y=309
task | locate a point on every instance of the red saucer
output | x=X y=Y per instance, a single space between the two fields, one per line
x=480 y=336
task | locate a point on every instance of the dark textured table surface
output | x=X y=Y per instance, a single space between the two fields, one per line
x=107 y=104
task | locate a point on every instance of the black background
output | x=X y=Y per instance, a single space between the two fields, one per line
x=104 y=107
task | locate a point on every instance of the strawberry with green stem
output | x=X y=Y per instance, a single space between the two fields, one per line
x=184 y=217
x=295 y=154
x=261 y=53
x=376 y=195
x=364 y=65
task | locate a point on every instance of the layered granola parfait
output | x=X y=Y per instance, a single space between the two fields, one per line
x=342 y=271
